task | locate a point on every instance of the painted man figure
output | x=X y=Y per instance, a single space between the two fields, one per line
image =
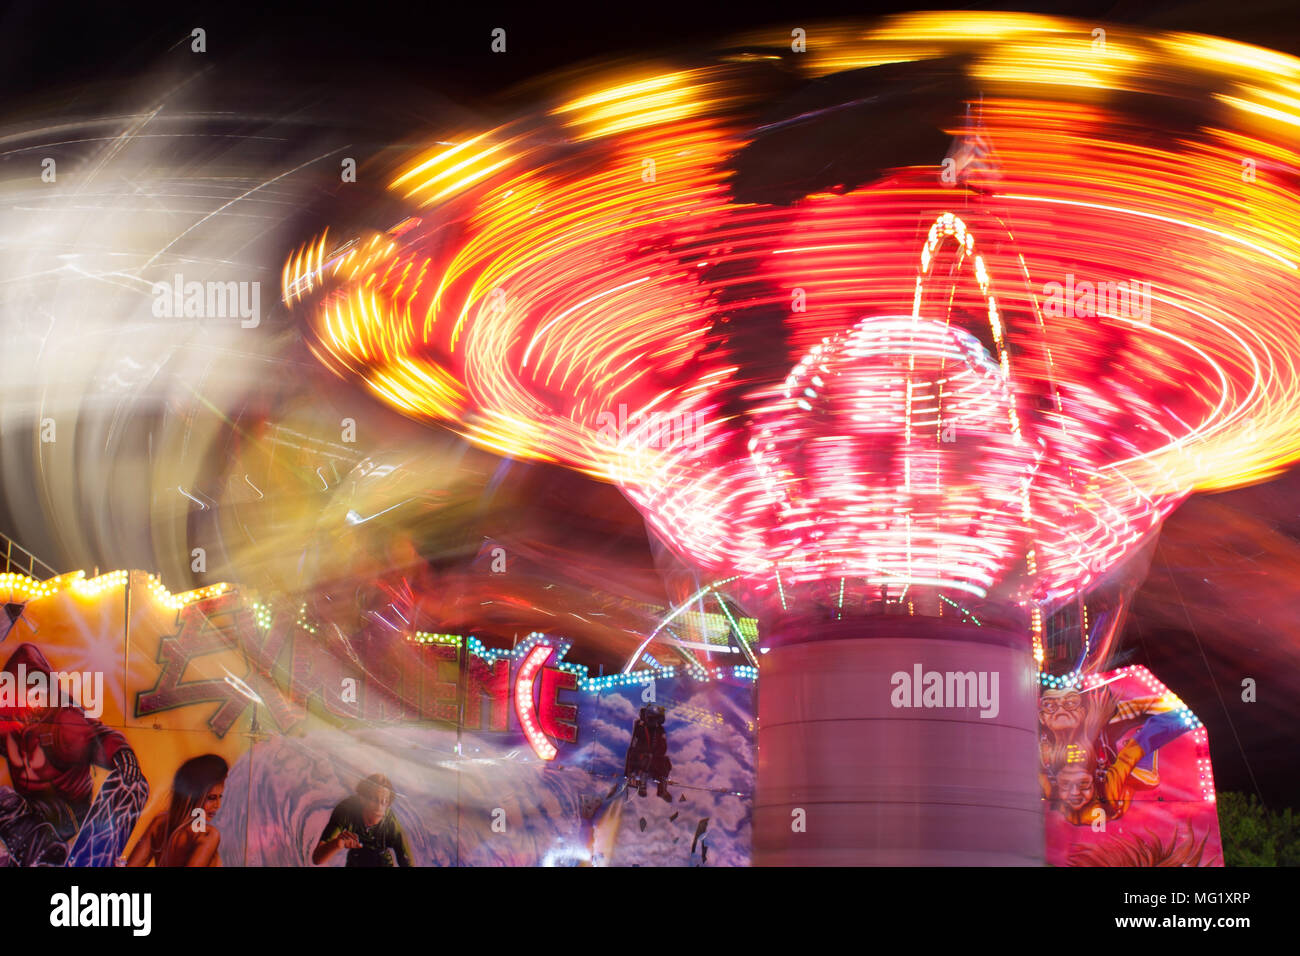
x=50 y=747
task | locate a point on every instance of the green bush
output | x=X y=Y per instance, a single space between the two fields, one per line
x=1252 y=836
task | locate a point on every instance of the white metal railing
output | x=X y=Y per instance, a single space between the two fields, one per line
x=19 y=560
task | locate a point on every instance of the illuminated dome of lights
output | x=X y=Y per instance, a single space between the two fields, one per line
x=916 y=387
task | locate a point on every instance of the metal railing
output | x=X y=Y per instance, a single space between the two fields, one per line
x=21 y=561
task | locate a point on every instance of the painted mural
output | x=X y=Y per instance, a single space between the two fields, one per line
x=1126 y=775
x=240 y=735
x=213 y=728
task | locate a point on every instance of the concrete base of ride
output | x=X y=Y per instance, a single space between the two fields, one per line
x=852 y=772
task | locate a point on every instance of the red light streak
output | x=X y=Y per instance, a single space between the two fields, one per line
x=929 y=419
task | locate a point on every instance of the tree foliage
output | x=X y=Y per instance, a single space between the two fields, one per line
x=1254 y=836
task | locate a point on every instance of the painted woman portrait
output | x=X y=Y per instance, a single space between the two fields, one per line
x=183 y=835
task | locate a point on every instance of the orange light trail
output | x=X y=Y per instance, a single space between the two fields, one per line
x=903 y=384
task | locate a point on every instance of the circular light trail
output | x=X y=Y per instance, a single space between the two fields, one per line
x=988 y=390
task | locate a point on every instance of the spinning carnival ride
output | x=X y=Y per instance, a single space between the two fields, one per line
x=910 y=405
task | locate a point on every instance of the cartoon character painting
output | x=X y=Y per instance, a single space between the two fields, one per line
x=50 y=815
x=1123 y=770
x=1096 y=749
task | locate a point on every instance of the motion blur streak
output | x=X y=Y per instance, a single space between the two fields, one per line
x=910 y=382
x=139 y=431
x=111 y=398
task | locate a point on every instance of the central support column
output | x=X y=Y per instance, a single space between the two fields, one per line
x=882 y=781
